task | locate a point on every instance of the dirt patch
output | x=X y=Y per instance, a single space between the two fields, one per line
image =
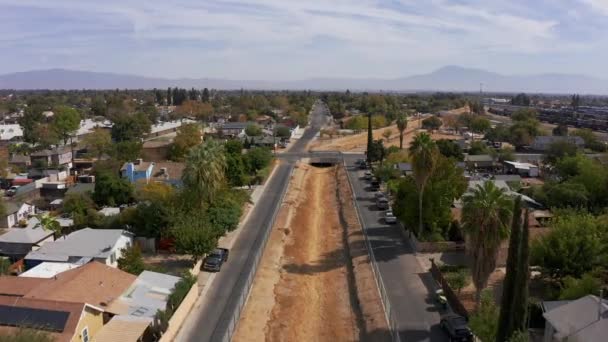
x=358 y=142
x=309 y=288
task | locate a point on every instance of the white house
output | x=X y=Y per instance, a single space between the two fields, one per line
x=10 y=131
x=102 y=245
x=15 y=212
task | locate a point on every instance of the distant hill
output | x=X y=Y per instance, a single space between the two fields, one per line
x=449 y=78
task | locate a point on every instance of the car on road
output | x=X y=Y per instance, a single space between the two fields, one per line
x=456 y=327
x=12 y=190
x=361 y=164
x=214 y=261
x=382 y=203
x=368 y=175
x=389 y=217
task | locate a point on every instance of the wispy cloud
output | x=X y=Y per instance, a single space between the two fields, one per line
x=285 y=39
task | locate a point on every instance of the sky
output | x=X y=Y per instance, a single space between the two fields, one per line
x=301 y=39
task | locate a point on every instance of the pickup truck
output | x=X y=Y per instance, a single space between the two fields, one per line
x=214 y=260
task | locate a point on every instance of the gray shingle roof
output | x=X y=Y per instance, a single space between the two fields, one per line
x=578 y=316
x=87 y=242
x=25 y=235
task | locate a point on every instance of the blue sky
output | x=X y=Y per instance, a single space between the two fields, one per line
x=295 y=39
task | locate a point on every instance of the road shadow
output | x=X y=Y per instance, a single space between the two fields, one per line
x=435 y=334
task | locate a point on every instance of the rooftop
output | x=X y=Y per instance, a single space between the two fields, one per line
x=122 y=329
x=67 y=326
x=479 y=158
x=586 y=316
x=87 y=242
x=138 y=165
x=48 y=269
x=81 y=188
x=173 y=170
x=24 y=235
x=93 y=283
x=146 y=295
x=51 y=152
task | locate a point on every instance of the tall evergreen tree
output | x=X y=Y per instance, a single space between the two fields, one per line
x=370 y=136
x=169 y=97
x=205 y=96
x=506 y=306
x=520 y=297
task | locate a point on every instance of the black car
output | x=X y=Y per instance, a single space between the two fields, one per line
x=456 y=327
x=213 y=262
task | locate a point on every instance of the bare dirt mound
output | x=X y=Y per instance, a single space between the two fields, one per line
x=315 y=282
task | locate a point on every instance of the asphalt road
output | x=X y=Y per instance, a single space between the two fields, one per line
x=408 y=287
x=213 y=318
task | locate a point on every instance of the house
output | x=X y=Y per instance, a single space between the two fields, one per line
x=168 y=172
x=167 y=127
x=233 y=129
x=10 y=132
x=81 y=189
x=148 y=294
x=16 y=243
x=63 y=321
x=137 y=170
x=480 y=161
x=543 y=143
x=103 y=245
x=16 y=211
x=20 y=160
x=404 y=168
x=584 y=319
x=522 y=169
x=61 y=156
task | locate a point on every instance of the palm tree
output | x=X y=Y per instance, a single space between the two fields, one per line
x=203 y=175
x=424 y=156
x=486 y=216
x=401 y=126
x=49 y=223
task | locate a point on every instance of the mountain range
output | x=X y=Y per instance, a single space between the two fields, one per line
x=449 y=78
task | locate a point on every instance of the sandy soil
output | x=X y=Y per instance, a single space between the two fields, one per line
x=358 y=142
x=308 y=287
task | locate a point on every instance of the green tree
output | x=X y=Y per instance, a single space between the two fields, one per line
x=48 y=222
x=130 y=127
x=433 y=123
x=592 y=142
x=486 y=215
x=519 y=309
x=233 y=147
x=484 y=322
x=236 y=174
x=521 y=100
x=401 y=126
x=450 y=149
x=253 y=130
x=188 y=136
x=66 y=121
x=424 y=156
x=77 y=203
x=29 y=122
x=205 y=96
x=204 y=173
x=193 y=234
x=258 y=158
x=559 y=150
x=282 y=132
x=565 y=195
x=150 y=219
x=111 y=190
x=98 y=142
x=377 y=152
x=131 y=260
x=505 y=323
x=128 y=150
x=575 y=288
x=225 y=212
x=574 y=246
x=478 y=147
x=480 y=125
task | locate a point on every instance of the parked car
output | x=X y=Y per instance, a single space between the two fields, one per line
x=12 y=190
x=456 y=327
x=375 y=184
x=379 y=194
x=361 y=163
x=214 y=261
x=389 y=217
x=368 y=175
x=382 y=203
